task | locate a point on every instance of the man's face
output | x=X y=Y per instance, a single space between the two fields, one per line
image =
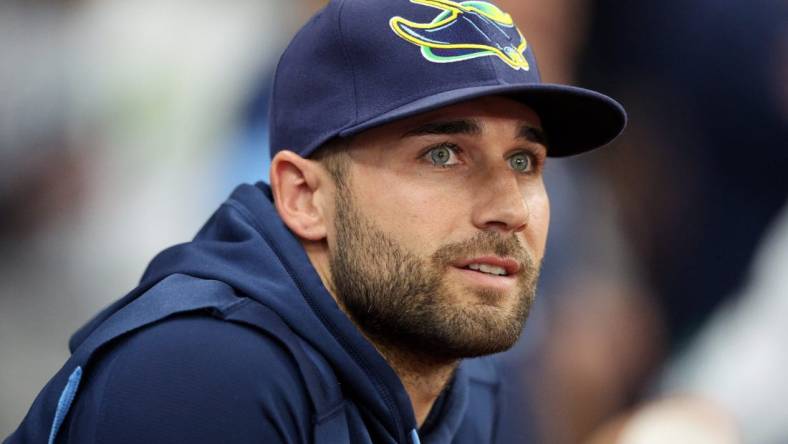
x=440 y=226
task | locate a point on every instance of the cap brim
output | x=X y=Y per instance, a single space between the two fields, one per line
x=574 y=119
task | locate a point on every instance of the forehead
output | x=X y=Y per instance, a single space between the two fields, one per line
x=489 y=111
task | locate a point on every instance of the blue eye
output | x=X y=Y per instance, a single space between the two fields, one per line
x=521 y=162
x=443 y=155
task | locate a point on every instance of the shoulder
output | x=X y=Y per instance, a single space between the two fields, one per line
x=204 y=349
x=194 y=378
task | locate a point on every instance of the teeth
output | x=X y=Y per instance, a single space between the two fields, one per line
x=490 y=269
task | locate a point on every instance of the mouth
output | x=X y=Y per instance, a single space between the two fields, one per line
x=490 y=271
x=490 y=265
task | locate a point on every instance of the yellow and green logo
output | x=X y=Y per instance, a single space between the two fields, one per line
x=465 y=30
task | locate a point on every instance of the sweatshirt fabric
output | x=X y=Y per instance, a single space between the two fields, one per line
x=208 y=375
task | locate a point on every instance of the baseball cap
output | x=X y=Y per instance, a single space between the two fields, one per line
x=358 y=64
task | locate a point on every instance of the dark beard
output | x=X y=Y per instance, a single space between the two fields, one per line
x=401 y=301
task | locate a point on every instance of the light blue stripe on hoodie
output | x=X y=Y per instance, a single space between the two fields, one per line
x=64 y=403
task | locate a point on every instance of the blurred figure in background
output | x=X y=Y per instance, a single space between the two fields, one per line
x=42 y=189
x=701 y=174
x=727 y=384
x=738 y=359
x=114 y=119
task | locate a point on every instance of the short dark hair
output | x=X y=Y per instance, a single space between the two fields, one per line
x=334 y=157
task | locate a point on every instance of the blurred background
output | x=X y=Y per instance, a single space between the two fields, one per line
x=664 y=297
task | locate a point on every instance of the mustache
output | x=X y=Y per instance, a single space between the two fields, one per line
x=484 y=243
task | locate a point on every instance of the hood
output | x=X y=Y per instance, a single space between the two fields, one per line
x=246 y=245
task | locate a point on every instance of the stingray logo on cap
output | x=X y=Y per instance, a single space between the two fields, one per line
x=465 y=30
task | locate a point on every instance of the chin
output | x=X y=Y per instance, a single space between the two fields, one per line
x=472 y=330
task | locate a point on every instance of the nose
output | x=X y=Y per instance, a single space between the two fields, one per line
x=501 y=206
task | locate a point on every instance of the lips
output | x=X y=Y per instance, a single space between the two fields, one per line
x=489 y=264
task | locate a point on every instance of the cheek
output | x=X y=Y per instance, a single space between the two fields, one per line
x=419 y=217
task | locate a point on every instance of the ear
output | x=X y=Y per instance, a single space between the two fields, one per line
x=299 y=188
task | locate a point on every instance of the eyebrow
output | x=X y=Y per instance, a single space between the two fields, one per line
x=464 y=126
x=472 y=127
x=532 y=134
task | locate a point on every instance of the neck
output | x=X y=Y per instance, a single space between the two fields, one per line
x=423 y=377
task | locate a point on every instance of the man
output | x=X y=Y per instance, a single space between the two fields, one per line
x=402 y=232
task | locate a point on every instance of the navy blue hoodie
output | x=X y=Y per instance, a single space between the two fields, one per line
x=233 y=338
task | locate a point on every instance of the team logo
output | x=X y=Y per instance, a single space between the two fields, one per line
x=465 y=30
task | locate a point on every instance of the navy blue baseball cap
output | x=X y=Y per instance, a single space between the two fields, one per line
x=358 y=64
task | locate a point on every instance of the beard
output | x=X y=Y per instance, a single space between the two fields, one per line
x=403 y=301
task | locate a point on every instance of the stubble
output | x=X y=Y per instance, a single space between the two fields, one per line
x=404 y=302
